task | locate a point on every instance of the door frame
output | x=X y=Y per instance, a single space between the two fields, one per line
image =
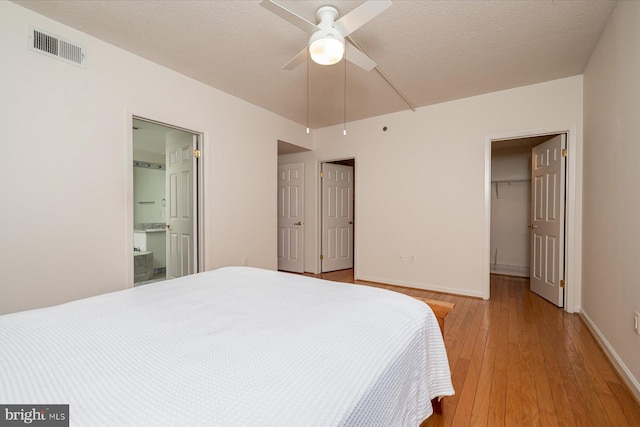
x=573 y=213
x=318 y=262
x=202 y=176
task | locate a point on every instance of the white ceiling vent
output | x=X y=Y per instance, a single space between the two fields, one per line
x=50 y=45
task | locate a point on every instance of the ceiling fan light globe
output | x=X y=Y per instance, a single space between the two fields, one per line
x=326 y=48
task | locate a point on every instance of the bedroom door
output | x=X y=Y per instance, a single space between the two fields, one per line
x=291 y=217
x=337 y=217
x=181 y=163
x=548 y=219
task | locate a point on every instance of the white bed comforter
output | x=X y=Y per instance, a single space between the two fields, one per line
x=234 y=346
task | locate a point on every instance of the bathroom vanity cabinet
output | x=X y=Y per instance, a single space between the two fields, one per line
x=153 y=240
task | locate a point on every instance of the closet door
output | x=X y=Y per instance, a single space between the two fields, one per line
x=337 y=217
x=291 y=217
x=547 y=220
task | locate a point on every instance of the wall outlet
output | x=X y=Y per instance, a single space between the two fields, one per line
x=636 y=322
x=245 y=261
x=413 y=258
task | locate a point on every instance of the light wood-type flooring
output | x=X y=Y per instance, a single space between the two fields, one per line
x=517 y=360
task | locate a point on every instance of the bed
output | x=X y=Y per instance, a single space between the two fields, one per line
x=233 y=346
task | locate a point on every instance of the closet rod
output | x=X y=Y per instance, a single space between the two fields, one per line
x=505 y=181
x=500 y=181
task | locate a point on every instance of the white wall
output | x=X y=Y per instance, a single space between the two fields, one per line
x=149 y=185
x=66 y=165
x=611 y=268
x=420 y=185
x=510 y=209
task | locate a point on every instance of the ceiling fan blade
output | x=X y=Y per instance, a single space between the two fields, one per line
x=297 y=60
x=360 y=16
x=357 y=57
x=289 y=16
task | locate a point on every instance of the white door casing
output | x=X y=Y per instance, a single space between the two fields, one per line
x=291 y=217
x=548 y=219
x=181 y=176
x=337 y=217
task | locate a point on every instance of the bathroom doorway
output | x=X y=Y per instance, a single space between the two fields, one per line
x=165 y=202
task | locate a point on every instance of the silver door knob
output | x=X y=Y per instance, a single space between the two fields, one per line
x=298 y=223
x=531 y=226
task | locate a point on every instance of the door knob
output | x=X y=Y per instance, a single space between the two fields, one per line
x=351 y=222
x=298 y=223
x=168 y=227
x=531 y=226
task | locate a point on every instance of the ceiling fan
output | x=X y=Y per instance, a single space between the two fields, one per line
x=329 y=38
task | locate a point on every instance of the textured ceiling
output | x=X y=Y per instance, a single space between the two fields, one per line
x=434 y=51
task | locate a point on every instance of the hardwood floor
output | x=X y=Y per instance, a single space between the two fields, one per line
x=517 y=360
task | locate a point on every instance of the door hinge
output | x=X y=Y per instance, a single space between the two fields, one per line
x=562 y=283
x=196 y=153
x=321 y=174
x=321 y=257
x=564 y=152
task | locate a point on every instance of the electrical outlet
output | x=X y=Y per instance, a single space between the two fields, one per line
x=413 y=258
x=636 y=322
x=245 y=261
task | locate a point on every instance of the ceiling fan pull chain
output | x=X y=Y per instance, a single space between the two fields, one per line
x=344 y=129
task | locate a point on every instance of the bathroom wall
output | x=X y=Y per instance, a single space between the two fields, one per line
x=149 y=196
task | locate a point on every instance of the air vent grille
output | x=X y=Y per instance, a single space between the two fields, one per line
x=56 y=47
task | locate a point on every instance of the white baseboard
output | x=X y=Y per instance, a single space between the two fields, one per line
x=510 y=270
x=423 y=286
x=618 y=364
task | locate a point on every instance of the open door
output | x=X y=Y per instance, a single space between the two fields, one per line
x=337 y=217
x=291 y=217
x=181 y=164
x=548 y=219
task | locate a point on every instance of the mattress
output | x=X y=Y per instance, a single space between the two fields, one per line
x=234 y=346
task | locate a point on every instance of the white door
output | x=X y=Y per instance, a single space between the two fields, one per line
x=291 y=217
x=547 y=220
x=337 y=217
x=181 y=176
